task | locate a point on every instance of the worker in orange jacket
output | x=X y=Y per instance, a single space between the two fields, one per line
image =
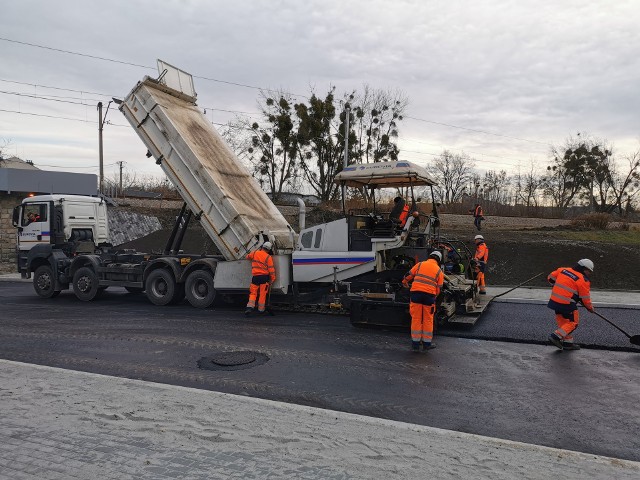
x=400 y=212
x=426 y=280
x=263 y=274
x=478 y=216
x=570 y=286
x=480 y=259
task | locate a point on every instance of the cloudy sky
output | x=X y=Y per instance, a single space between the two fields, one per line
x=499 y=80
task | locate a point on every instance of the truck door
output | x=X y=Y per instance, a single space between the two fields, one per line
x=34 y=225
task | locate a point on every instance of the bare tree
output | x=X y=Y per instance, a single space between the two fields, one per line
x=453 y=173
x=496 y=186
x=626 y=186
x=527 y=186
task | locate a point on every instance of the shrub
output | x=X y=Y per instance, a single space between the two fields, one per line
x=595 y=221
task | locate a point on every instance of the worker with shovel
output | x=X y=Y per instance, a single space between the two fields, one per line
x=263 y=274
x=570 y=286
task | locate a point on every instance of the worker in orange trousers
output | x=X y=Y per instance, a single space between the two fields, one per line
x=426 y=279
x=263 y=274
x=480 y=258
x=570 y=286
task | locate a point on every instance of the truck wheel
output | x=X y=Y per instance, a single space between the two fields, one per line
x=44 y=283
x=199 y=289
x=85 y=284
x=160 y=287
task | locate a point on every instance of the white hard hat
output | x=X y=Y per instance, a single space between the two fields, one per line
x=267 y=245
x=478 y=237
x=586 y=263
x=437 y=254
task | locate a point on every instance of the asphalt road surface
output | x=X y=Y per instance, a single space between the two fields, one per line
x=584 y=400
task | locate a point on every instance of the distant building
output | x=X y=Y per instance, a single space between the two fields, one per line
x=15 y=162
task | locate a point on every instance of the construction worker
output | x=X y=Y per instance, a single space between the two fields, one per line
x=480 y=259
x=263 y=274
x=570 y=286
x=477 y=216
x=426 y=280
x=400 y=211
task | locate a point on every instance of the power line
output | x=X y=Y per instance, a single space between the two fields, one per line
x=476 y=130
x=227 y=82
x=96 y=57
x=59 y=118
x=76 y=53
x=39 y=97
x=37 y=85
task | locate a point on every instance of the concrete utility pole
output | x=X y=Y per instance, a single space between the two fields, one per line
x=346 y=154
x=121 y=163
x=100 y=127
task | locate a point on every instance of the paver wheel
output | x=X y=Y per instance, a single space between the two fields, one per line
x=199 y=289
x=43 y=282
x=85 y=284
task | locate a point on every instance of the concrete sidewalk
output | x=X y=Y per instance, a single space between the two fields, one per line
x=61 y=424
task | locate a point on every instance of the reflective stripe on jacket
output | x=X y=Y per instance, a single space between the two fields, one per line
x=426 y=277
x=569 y=287
x=262 y=264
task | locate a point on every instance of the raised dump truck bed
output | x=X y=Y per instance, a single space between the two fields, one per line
x=219 y=190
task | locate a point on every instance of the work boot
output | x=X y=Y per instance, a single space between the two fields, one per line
x=555 y=340
x=570 y=346
x=415 y=346
x=428 y=346
x=482 y=292
x=248 y=311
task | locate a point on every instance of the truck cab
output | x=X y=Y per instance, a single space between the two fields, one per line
x=70 y=223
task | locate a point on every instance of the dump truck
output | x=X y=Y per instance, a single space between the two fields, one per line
x=352 y=265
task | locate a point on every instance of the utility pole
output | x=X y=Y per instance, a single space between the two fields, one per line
x=100 y=127
x=347 y=109
x=121 y=163
x=101 y=120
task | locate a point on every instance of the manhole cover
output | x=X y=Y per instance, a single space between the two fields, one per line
x=232 y=360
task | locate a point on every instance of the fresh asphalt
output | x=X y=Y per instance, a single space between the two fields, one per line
x=520 y=390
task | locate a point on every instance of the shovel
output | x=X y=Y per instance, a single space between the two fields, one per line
x=634 y=339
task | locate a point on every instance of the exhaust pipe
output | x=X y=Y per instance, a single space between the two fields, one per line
x=301 y=214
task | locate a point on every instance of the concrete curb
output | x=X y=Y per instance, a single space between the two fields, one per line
x=96 y=426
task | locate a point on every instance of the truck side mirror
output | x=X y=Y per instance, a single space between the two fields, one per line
x=17 y=213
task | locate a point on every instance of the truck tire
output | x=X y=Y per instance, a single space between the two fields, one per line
x=85 y=284
x=43 y=282
x=161 y=288
x=199 y=289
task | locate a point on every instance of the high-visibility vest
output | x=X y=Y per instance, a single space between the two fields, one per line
x=404 y=215
x=262 y=264
x=426 y=276
x=570 y=286
x=482 y=252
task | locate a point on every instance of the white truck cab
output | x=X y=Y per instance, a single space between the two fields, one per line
x=57 y=219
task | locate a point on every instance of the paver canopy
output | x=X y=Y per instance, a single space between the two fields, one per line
x=384 y=175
